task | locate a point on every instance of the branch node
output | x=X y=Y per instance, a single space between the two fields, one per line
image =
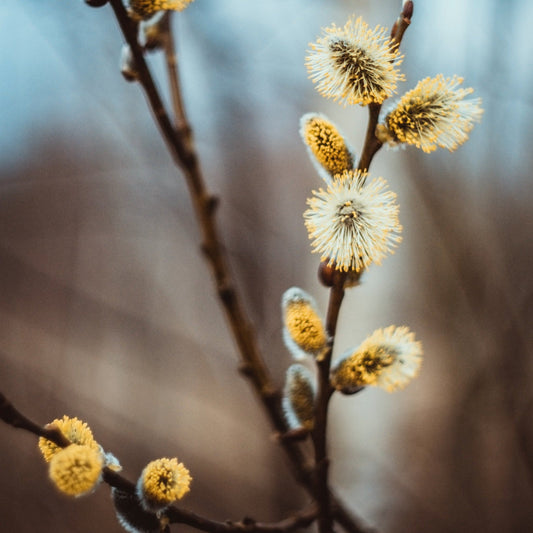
x=245 y=369
x=211 y=204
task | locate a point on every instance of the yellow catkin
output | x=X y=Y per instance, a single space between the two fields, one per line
x=162 y=482
x=360 y=369
x=354 y=64
x=354 y=222
x=76 y=469
x=434 y=113
x=326 y=144
x=299 y=396
x=305 y=326
x=76 y=431
x=389 y=358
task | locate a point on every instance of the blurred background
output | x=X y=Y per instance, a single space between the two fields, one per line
x=107 y=310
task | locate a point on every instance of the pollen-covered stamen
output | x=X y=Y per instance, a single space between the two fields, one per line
x=327 y=147
x=354 y=64
x=360 y=70
x=389 y=358
x=162 y=482
x=142 y=9
x=303 y=331
x=421 y=115
x=435 y=113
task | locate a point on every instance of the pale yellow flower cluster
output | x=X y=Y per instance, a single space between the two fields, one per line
x=354 y=64
x=353 y=223
x=303 y=330
x=389 y=359
x=76 y=469
x=326 y=145
x=434 y=113
x=357 y=65
x=162 y=482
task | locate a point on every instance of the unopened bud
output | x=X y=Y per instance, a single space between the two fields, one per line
x=127 y=64
x=408 y=8
x=330 y=276
x=299 y=397
x=303 y=332
x=130 y=513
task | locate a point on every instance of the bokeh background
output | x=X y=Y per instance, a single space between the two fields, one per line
x=107 y=310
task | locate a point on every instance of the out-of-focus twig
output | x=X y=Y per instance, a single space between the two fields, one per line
x=11 y=416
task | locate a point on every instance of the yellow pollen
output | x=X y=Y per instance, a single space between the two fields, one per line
x=76 y=469
x=327 y=145
x=305 y=326
x=75 y=431
x=164 y=481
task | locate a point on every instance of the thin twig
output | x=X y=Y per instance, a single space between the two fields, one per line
x=296 y=521
x=171 y=58
x=372 y=144
x=15 y=418
x=325 y=391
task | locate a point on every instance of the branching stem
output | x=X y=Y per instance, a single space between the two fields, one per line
x=181 y=147
x=11 y=416
x=177 y=135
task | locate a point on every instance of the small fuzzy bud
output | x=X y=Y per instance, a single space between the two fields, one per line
x=111 y=462
x=131 y=515
x=153 y=31
x=303 y=332
x=299 y=398
x=127 y=64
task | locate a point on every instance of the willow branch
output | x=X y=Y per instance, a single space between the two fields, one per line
x=177 y=515
x=181 y=147
x=372 y=143
x=11 y=416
